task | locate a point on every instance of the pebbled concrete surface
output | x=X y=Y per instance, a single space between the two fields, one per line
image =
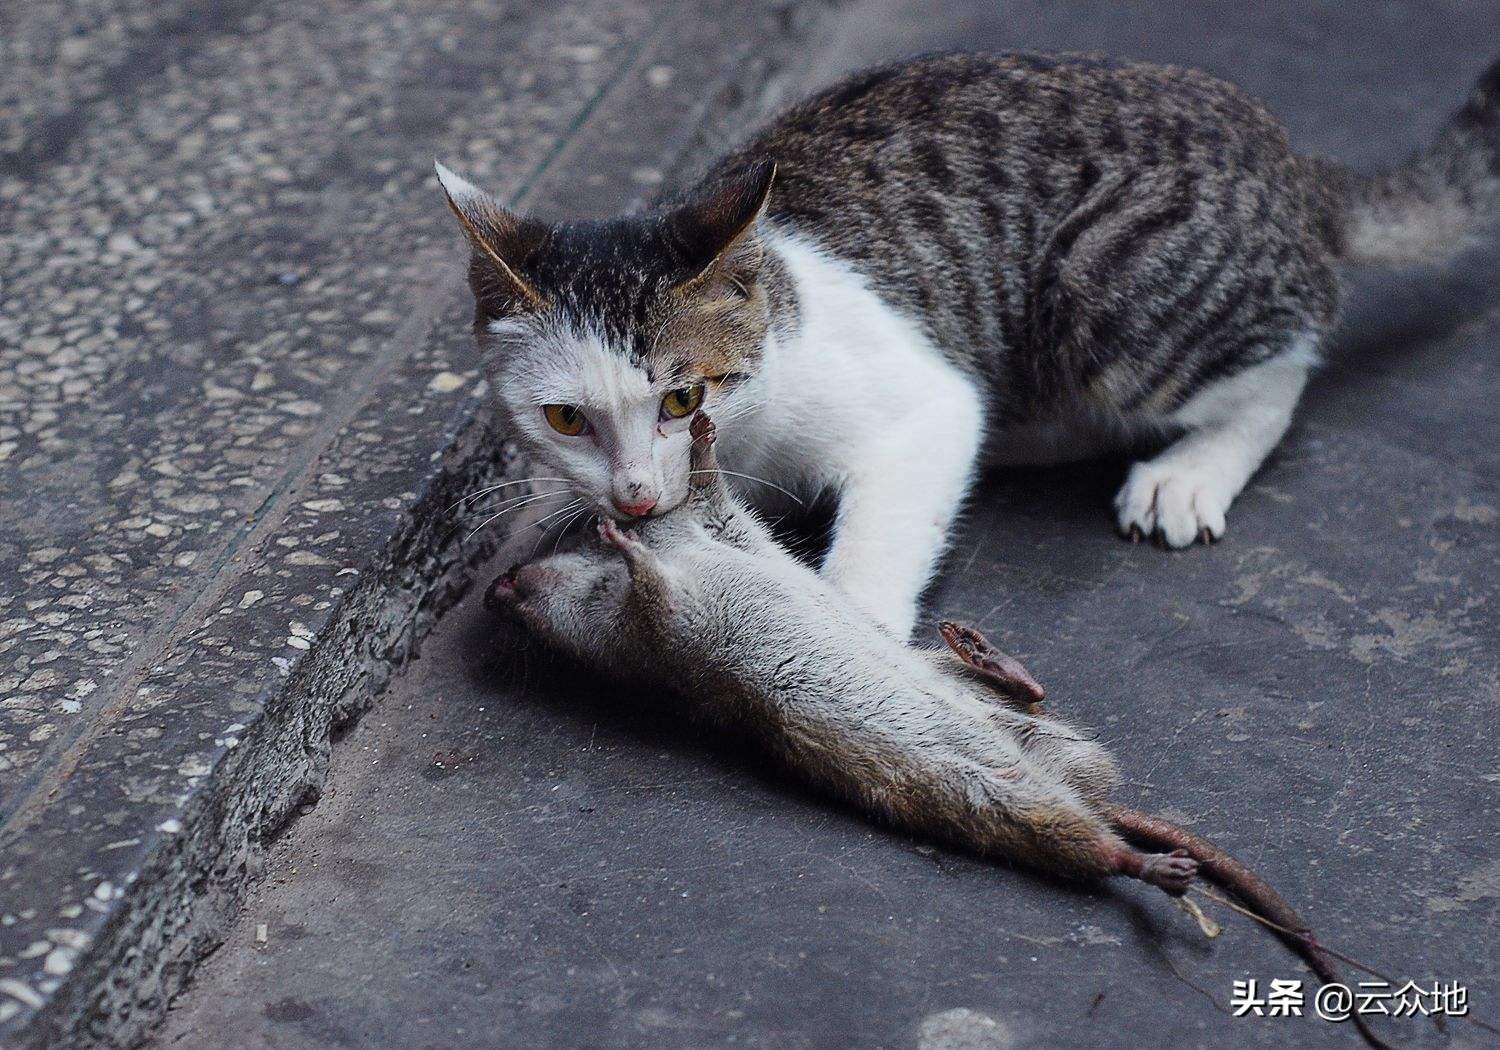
x=237 y=403
x=212 y=242
x=513 y=856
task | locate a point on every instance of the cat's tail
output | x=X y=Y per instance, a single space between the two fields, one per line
x=1429 y=208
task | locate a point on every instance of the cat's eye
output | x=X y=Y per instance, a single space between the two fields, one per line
x=565 y=419
x=683 y=401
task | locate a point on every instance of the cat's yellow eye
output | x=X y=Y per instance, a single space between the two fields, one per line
x=565 y=419
x=683 y=401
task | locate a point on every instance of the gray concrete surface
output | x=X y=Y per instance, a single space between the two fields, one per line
x=237 y=400
x=514 y=856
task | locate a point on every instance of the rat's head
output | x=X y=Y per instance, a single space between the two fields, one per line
x=591 y=601
x=602 y=339
x=574 y=601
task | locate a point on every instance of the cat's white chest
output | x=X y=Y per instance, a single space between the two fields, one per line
x=856 y=375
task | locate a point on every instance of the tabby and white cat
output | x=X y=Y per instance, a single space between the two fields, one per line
x=949 y=262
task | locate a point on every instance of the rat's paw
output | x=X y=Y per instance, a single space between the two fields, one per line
x=1008 y=673
x=1174 y=503
x=616 y=537
x=1171 y=872
x=702 y=462
x=502 y=588
x=637 y=555
x=702 y=429
x=610 y=533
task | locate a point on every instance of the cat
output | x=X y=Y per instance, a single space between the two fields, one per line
x=949 y=262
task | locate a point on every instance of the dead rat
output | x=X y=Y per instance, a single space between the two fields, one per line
x=947 y=743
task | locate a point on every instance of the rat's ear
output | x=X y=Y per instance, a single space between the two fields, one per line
x=501 y=242
x=713 y=231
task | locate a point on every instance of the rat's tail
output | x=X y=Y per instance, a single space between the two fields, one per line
x=1154 y=833
x=1428 y=208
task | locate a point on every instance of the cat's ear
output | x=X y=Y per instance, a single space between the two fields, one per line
x=713 y=232
x=501 y=242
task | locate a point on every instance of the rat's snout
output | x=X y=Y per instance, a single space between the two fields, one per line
x=516 y=584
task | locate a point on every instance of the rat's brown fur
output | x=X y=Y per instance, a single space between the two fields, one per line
x=758 y=641
x=945 y=743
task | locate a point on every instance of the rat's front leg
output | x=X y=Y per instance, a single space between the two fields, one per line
x=650 y=584
x=898 y=501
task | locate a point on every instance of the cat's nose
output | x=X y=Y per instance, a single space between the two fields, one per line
x=635 y=508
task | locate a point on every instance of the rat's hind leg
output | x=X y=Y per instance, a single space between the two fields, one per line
x=1078 y=840
x=1076 y=760
x=1172 y=873
x=1001 y=670
x=1075 y=848
x=1060 y=834
x=1183 y=494
x=1081 y=763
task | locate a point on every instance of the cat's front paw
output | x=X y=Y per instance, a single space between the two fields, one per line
x=1173 y=503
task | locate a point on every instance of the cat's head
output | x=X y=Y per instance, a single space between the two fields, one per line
x=602 y=339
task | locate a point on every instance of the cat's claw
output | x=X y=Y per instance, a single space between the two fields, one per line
x=1173 y=504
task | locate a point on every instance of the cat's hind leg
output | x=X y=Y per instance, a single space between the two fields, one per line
x=1183 y=493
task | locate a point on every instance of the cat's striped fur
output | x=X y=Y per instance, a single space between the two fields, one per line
x=1081 y=230
x=955 y=259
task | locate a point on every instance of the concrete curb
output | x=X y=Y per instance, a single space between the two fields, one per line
x=151 y=904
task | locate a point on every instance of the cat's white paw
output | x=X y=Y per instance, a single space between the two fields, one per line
x=1176 y=503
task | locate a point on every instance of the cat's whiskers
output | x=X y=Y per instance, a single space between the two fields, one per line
x=570 y=505
x=731 y=410
x=566 y=525
x=522 y=499
x=572 y=509
x=516 y=504
x=562 y=526
x=751 y=477
x=577 y=506
x=493 y=488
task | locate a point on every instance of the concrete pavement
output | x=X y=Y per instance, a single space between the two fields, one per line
x=515 y=856
x=238 y=399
